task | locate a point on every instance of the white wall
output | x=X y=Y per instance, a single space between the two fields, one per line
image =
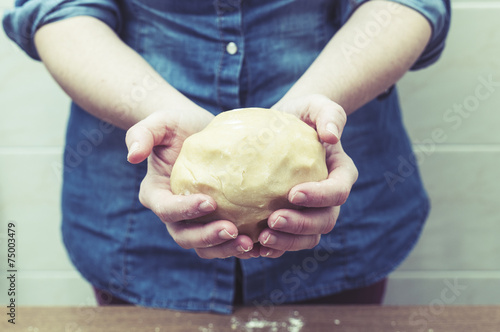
x=460 y=244
x=458 y=257
x=33 y=115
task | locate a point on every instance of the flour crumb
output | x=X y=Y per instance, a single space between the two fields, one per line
x=292 y=325
x=258 y=324
x=209 y=328
x=296 y=324
x=336 y=322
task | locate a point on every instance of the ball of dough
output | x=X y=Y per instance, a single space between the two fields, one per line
x=248 y=160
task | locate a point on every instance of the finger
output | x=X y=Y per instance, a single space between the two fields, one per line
x=304 y=222
x=147 y=133
x=171 y=208
x=254 y=253
x=288 y=242
x=140 y=142
x=320 y=112
x=242 y=244
x=271 y=253
x=329 y=119
x=191 y=235
x=325 y=193
x=330 y=192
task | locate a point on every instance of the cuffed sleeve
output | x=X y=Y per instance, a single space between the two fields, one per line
x=437 y=12
x=21 y=22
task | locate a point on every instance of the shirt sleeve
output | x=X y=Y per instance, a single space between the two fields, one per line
x=21 y=22
x=437 y=12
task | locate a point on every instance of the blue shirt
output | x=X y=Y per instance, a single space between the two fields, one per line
x=120 y=246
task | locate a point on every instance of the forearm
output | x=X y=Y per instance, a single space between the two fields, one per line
x=352 y=76
x=104 y=76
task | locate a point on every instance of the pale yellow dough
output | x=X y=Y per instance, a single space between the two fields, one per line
x=248 y=160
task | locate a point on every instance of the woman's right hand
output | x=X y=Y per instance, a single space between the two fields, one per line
x=159 y=137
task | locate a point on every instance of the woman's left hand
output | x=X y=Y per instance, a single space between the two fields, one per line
x=292 y=230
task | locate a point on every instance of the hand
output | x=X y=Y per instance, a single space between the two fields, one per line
x=292 y=230
x=159 y=138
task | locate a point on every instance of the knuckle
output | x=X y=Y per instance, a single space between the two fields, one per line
x=229 y=253
x=183 y=243
x=351 y=167
x=160 y=211
x=342 y=195
x=202 y=254
x=288 y=244
x=142 y=195
x=277 y=253
x=328 y=226
x=294 y=244
x=301 y=227
x=340 y=111
x=206 y=241
x=180 y=240
x=314 y=241
x=318 y=101
x=155 y=206
x=355 y=171
x=323 y=199
x=187 y=212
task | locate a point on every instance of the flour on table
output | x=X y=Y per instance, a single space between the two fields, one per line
x=292 y=324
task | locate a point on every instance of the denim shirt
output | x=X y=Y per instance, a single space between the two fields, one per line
x=227 y=54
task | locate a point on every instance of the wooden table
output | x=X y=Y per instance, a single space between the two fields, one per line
x=253 y=319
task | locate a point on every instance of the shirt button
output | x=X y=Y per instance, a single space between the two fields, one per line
x=231 y=48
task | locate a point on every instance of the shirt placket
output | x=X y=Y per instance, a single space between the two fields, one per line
x=229 y=22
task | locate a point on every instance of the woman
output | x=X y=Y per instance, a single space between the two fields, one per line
x=162 y=69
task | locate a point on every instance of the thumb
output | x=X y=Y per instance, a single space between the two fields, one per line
x=148 y=133
x=330 y=121
x=321 y=113
x=140 y=142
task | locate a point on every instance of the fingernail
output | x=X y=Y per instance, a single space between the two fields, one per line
x=299 y=198
x=332 y=128
x=280 y=222
x=241 y=249
x=206 y=206
x=268 y=253
x=133 y=148
x=225 y=235
x=270 y=239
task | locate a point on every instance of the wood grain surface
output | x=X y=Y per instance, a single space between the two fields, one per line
x=254 y=319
